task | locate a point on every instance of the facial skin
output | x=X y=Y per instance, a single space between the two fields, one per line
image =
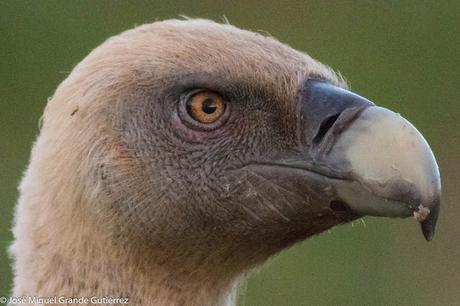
x=203 y=191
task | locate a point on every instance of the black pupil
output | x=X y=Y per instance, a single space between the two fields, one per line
x=209 y=106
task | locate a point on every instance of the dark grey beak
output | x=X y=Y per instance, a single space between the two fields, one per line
x=383 y=165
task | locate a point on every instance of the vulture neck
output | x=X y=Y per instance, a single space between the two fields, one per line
x=61 y=252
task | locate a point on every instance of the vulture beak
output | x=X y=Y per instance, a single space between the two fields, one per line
x=375 y=160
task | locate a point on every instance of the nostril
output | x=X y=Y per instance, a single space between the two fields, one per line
x=325 y=127
x=338 y=206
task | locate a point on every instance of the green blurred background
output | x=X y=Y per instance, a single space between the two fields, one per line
x=401 y=54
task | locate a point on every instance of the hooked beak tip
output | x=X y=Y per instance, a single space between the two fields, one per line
x=427 y=219
x=427 y=230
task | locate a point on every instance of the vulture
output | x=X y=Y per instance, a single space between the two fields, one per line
x=181 y=154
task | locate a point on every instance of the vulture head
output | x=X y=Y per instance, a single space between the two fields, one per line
x=180 y=154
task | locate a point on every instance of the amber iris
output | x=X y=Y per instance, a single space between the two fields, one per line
x=205 y=107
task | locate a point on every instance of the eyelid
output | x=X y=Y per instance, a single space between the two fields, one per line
x=193 y=92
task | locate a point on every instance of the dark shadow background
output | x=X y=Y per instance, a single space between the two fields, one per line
x=401 y=54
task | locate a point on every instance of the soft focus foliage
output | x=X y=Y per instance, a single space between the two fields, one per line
x=400 y=54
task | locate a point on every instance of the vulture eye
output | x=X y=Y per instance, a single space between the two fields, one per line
x=203 y=109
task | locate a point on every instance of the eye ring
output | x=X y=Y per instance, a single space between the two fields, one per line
x=203 y=109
